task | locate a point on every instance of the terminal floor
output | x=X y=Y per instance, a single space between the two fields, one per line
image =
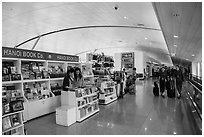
x=138 y=114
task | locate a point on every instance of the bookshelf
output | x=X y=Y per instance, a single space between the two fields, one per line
x=107 y=93
x=84 y=100
x=38 y=76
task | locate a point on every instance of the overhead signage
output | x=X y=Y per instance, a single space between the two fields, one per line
x=127 y=55
x=62 y=57
x=32 y=54
x=22 y=53
x=127 y=60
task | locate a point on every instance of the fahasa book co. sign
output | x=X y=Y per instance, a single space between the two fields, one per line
x=31 y=54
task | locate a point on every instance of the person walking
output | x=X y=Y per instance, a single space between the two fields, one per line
x=179 y=81
x=162 y=79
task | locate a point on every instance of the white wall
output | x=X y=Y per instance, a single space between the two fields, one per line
x=197 y=68
x=139 y=61
x=117 y=59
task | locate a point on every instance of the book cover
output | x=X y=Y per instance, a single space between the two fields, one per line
x=15 y=119
x=6 y=123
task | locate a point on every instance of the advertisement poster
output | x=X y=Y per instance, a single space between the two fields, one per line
x=127 y=60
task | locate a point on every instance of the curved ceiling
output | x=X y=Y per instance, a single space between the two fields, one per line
x=134 y=27
x=183 y=19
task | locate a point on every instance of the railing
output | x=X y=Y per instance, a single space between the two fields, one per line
x=193 y=100
x=195 y=78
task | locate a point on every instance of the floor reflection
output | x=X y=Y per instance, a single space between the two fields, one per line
x=142 y=113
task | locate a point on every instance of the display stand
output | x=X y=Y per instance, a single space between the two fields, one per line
x=12 y=123
x=38 y=76
x=85 y=100
x=66 y=115
x=108 y=92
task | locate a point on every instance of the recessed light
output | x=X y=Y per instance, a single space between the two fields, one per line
x=175 y=36
x=174 y=133
x=193 y=55
x=145 y=37
x=125 y=17
x=175 y=45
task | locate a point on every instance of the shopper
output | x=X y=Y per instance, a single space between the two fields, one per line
x=162 y=79
x=179 y=81
x=134 y=74
x=132 y=78
x=123 y=82
x=78 y=78
x=68 y=81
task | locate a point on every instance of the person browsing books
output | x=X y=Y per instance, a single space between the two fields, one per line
x=68 y=81
x=78 y=78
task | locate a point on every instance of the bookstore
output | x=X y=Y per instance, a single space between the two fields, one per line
x=101 y=68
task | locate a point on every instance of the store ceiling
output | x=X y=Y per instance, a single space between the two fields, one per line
x=139 y=28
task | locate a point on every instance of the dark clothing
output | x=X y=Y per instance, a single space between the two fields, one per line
x=162 y=78
x=67 y=82
x=156 y=91
x=162 y=85
x=179 y=80
x=170 y=87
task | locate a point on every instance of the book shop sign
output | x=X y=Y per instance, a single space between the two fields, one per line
x=31 y=54
x=62 y=57
x=22 y=53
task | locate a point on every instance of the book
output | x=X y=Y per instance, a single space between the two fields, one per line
x=7 y=108
x=15 y=119
x=6 y=123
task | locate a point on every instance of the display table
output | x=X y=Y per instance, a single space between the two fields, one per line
x=66 y=115
x=84 y=100
x=108 y=92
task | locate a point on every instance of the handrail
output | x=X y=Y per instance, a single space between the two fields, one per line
x=196 y=76
x=195 y=106
x=193 y=102
x=197 y=83
x=196 y=87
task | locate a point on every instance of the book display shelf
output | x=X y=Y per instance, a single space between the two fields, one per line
x=36 y=78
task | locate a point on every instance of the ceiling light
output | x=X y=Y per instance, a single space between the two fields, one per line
x=125 y=17
x=175 y=36
x=174 y=132
x=175 y=45
x=193 y=55
x=145 y=37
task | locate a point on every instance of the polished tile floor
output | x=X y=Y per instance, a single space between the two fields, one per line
x=138 y=114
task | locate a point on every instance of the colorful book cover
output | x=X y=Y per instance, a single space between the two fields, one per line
x=15 y=119
x=6 y=123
